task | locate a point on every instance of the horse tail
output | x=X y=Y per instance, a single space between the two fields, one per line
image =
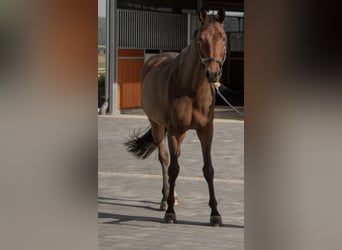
x=141 y=144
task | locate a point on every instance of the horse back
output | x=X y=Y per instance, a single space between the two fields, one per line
x=155 y=76
x=157 y=61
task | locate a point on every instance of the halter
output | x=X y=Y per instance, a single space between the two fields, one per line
x=210 y=59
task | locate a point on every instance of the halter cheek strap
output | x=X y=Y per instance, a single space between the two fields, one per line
x=211 y=59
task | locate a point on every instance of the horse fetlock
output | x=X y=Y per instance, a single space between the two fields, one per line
x=213 y=205
x=163 y=205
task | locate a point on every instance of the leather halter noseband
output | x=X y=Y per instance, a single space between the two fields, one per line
x=210 y=59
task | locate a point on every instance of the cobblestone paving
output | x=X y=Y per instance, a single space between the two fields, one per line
x=129 y=191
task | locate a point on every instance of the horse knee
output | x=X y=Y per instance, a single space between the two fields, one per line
x=173 y=171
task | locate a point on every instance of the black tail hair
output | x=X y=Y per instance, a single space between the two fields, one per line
x=141 y=144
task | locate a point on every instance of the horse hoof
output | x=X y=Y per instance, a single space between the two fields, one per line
x=170 y=218
x=176 y=201
x=215 y=220
x=163 y=205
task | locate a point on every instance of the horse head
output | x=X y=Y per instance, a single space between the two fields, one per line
x=211 y=44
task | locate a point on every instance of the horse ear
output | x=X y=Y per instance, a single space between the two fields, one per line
x=203 y=15
x=221 y=14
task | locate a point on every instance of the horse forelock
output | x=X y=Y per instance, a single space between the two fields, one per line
x=212 y=29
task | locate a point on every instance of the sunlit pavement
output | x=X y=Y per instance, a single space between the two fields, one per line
x=129 y=190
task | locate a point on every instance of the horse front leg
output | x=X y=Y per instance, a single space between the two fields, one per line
x=205 y=136
x=173 y=171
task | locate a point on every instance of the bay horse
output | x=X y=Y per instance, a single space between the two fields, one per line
x=178 y=94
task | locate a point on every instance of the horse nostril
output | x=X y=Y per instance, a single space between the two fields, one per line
x=216 y=74
x=213 y=76
x=207 y=74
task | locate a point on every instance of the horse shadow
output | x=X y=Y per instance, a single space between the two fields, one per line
x=120 y=219
x=103 y=200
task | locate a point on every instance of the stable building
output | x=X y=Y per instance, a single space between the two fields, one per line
x=138 y=29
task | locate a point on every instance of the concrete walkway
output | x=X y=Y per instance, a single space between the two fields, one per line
x=130 y=190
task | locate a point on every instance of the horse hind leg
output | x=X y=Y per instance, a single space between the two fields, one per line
x=158 y=133
x=164 y=161
x=159 y=138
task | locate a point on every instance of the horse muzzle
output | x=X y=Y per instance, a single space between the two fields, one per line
x=214 y=69
x=213 y=76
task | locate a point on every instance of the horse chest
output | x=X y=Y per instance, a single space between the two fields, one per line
x=184 y=114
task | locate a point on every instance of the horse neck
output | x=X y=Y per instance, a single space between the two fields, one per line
x=191 y=68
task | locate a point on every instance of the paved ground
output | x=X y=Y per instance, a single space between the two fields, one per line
x=130 y=190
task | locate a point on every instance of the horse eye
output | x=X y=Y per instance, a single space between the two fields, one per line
x=224 y=39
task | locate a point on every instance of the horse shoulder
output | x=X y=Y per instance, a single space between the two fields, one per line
x=180 y=111
x=203 y=108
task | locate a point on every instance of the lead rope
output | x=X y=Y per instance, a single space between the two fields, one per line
x=220 y=94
